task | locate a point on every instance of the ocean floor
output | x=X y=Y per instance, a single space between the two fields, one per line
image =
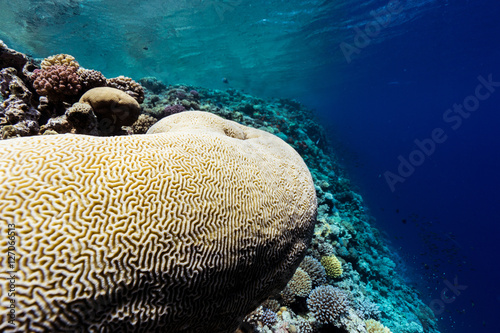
x=350 y=281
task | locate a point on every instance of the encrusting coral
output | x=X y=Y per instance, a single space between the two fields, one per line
x=184 y=229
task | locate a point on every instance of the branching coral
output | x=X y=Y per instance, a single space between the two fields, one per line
x=56 y=81
x=300 y=284
x=333 y=266
x=328 y=303
x=60 y=59
x=90 y=78
x=315 y=270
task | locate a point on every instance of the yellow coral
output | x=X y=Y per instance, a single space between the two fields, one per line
x=183 y=230
x=333 y=266
x=373 y=326
x=60 y=59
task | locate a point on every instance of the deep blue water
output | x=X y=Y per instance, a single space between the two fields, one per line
x=444 y=217
x=395 y=89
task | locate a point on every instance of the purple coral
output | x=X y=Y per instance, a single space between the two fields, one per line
x=56 y=81
x=195 y=94
x=173 y=109
x=328 y=304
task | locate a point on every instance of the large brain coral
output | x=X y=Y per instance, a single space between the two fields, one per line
x=186 y=230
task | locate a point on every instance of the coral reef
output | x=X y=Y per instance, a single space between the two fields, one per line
x=185 y=230
x=371 y=270
x=262 y=317
x=11 y=58
x=17 y=116
x=153 y=84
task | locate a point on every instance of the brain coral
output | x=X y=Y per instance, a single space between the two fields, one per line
x=333 y=266
x=186 y=230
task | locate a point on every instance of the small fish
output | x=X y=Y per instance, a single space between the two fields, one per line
x=225 y=80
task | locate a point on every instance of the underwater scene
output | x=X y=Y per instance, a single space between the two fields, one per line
x=235 y=166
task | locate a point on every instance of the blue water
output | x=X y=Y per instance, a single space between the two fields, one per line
x=394 y=89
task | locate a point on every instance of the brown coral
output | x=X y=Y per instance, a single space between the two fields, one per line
x=315 y=270
x=143 y=123
x=300 y=284
x=113 y=108
x=56 y=81
x=90 y=78
x=127 y=85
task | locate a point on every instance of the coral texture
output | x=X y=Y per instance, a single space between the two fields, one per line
x=56 y=81
x=172 y=109
x=82 y=118
x=143 y=123
x=113 y=108
x=373 y=326
x=300 y=285
x=315 y=270
x=185 y=230
x=127 y=85
x=11 y=58
x=367 y=309
x=327 y=304
x=90 y=78
x=60 y=60
x=333 y=266
x=262 y=316
x=17 y=116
